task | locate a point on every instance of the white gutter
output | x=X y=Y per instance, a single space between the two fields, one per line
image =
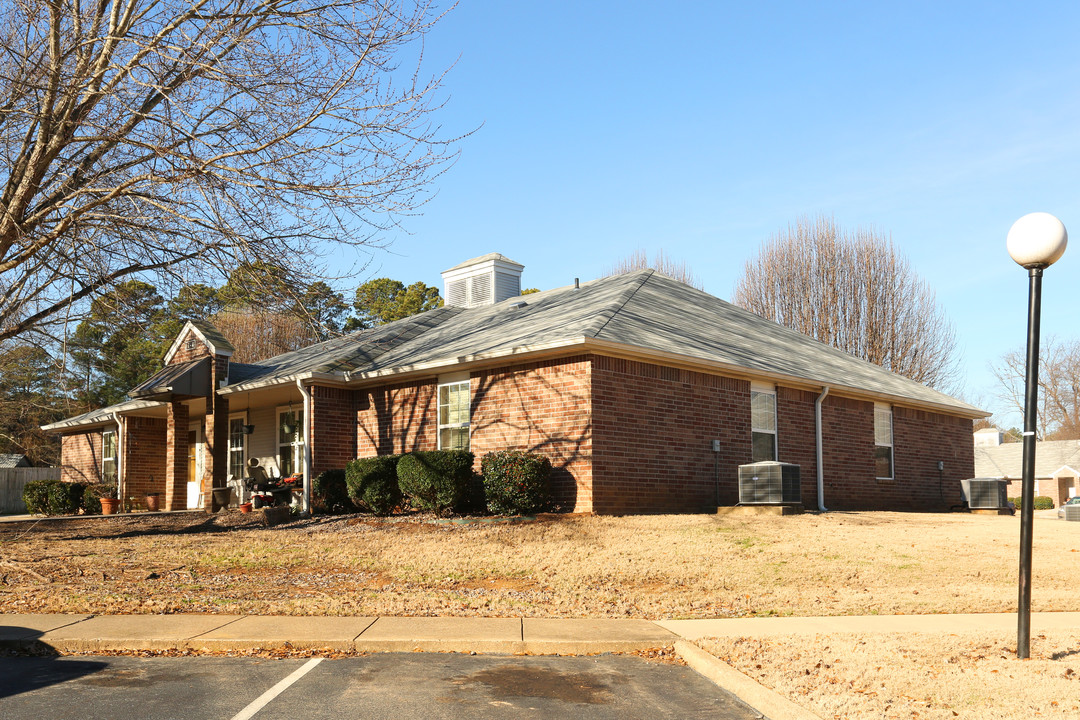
x=119 y=455
x=820 y=467
x=306 y=507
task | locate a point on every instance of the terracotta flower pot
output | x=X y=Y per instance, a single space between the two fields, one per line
x=245 y=508
x=152 y=502
x=109 y=506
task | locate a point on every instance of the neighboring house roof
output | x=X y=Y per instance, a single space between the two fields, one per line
x=13 y=460
x=1052 y=457
x=641 y=313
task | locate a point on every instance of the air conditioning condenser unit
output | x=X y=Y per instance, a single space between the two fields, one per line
x=985 y=493
x=769 y=483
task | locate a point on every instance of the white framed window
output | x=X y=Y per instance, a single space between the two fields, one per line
x=763 y=422
x=108 y=456
x=290 y=426
x=454 y=415
x=883 y=441
x=237 y=445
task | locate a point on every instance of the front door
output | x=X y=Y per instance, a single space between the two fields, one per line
x=194 y=491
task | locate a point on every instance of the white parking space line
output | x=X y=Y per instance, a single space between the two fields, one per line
x=260 y=702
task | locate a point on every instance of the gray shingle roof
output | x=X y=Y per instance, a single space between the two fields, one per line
x=13 y=460
x=212 y=334
x=640 y=311
x=1005 y=460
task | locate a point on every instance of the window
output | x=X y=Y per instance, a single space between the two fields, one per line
x=883 y=442
x=108 y=456
x=290 y=441
x=763 y=424
x=454 y=416
x=236 y=446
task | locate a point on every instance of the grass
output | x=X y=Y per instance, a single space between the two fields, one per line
x=650 y=567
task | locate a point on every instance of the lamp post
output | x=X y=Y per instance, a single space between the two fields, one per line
x=1035 y=242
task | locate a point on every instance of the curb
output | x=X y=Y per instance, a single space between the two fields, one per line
x=767 y=702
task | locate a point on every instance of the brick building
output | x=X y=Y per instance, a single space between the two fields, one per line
x=626 y=383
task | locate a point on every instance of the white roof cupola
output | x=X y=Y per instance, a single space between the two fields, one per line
x=485 y=280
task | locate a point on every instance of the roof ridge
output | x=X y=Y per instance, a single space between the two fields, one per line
x=596 y=328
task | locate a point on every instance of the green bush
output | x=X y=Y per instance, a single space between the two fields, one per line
x=1042 y=502
x=36 y=496
x=372 y=483
x=329 y=493
x=515 y=482
x=436 y=480
x=91 y=499
x=53 y=497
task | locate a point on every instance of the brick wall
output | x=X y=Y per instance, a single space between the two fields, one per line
x=542 y=408
x=653 y=428
x=81 y=457
x=144 y=457
x=176 y=456
x=796 y=437
x=333 y=428
x=848 y=453
x=920 y=440
x=396 y=418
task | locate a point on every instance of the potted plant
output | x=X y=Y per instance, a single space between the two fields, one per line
x=153 y=503
x=110 y=502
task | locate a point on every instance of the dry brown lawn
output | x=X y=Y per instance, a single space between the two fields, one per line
x=970 y=676
x=652 y=567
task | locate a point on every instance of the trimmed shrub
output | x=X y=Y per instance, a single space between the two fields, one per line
x=53 y=497
x=515 y=482
x=372 y=483
x=36 y=496
x=436 y=480
x=91 y=499
x=329 y=493
x=1043 y=502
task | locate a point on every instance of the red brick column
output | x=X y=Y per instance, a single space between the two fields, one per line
x=216 y=460
x=176 y=456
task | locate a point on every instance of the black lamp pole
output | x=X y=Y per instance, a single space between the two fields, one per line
x=1027 y=499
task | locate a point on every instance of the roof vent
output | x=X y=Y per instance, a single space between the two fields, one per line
x=485 y=280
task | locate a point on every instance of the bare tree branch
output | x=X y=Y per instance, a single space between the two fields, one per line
x=178 y=138
x=854 y=292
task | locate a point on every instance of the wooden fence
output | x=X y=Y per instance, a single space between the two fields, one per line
x=12 y=482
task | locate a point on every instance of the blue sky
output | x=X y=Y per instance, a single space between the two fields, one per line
x=704 y=128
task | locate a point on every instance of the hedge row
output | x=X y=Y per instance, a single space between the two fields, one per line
x=55 y=497
x=441 y=481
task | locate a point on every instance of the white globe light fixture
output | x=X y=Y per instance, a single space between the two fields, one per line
x=1036 y=241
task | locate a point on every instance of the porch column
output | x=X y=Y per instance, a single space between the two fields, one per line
x=216 y=460
x=176 y=456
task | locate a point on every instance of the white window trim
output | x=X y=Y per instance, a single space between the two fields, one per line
x=113 y=457
x=242 y=416
x=762 y=389
x=299 y=438
x=892 y=445
x=449 y=382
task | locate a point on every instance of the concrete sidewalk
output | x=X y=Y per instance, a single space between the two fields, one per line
x=89 y=633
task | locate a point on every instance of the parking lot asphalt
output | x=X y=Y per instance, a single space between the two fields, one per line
x=385 y=685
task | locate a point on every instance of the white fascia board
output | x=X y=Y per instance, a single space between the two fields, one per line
x=125 y=408
x=1068 y=470
x=336 y=378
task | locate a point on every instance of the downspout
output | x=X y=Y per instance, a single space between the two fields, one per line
x=305 y=510
x=820 y=466
x=121 y=441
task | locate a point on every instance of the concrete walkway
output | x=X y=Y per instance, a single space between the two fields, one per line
x=83 y=633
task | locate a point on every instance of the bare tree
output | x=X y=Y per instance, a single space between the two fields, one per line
x=855 y=292
x=1059 y=387
x=260 y=334
x=661 y=263
x=180 y=137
